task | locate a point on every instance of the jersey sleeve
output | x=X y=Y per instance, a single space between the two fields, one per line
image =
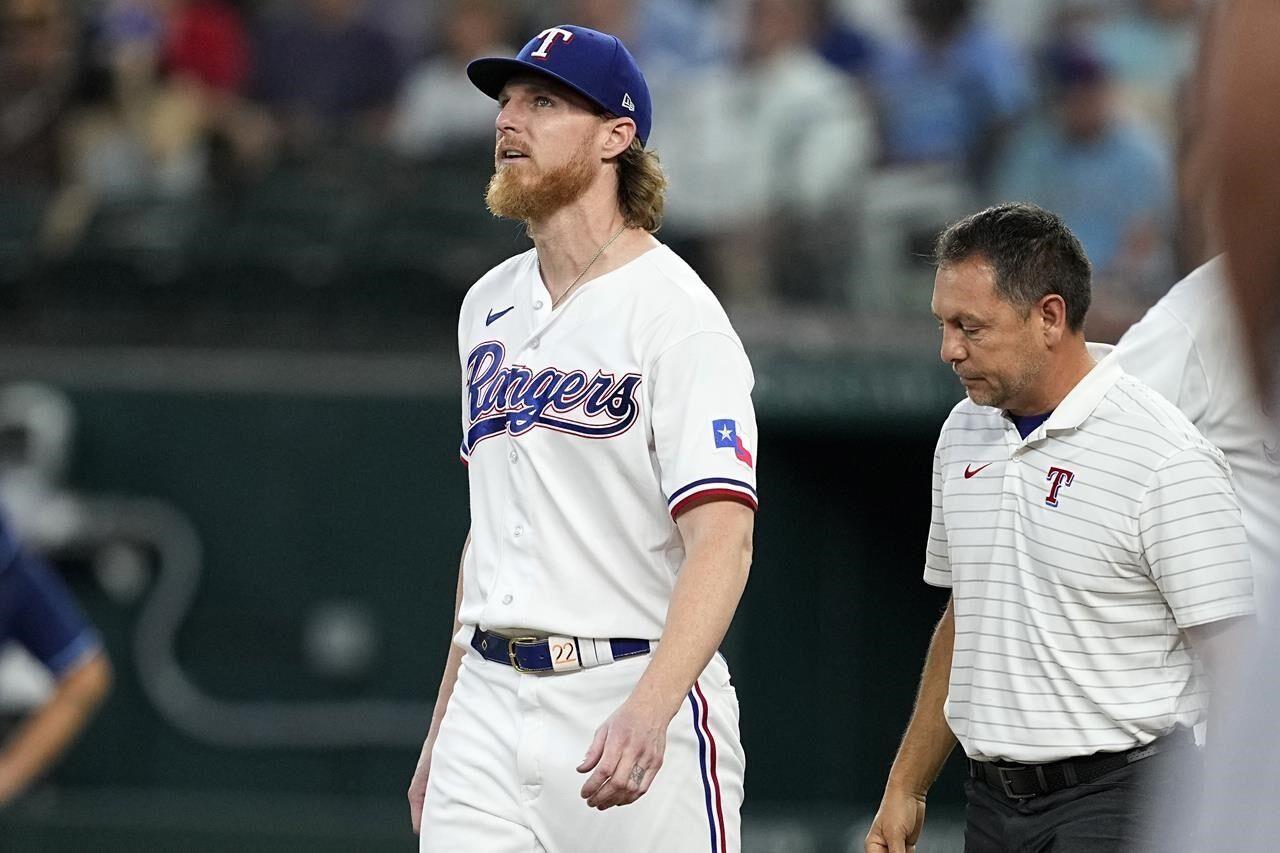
x=704 y=426
x=1161 y=352
x=937 y=565
x=46 y=620
x=1194 y=541
x=464 y=451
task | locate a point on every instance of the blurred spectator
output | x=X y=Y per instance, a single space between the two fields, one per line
x=324 y=73
x=38 y=69
x=439 y=106
x=1109 y=178
x=205 y=41
x=206 y=52
x=37 y=612
x=412 y=26
x=134 y=134
x=668 y=38
x=950 y=92
x=842 y=43
x=766 y=160
x=1151 y=49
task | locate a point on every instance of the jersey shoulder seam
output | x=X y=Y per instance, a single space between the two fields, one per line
x=1193 y=350
x=733 y=338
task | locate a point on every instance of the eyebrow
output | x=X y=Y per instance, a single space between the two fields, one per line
x=535 y=84
x=964 y=318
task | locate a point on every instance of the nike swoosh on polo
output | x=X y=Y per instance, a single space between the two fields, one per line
x=488 y=321
x=969 y=472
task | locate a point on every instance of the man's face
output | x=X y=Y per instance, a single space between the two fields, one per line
x=997 y=352
x=1085 y=110
x=547 y=150
x=35 y=39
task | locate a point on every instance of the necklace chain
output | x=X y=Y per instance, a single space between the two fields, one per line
x=594 y=258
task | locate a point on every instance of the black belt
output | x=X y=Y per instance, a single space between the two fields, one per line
x=531 y=654
x=1023 y=781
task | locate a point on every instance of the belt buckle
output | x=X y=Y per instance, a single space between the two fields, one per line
x=511 y=651
x=1007 y=784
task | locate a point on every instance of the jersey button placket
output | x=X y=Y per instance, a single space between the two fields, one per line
x=516 y=552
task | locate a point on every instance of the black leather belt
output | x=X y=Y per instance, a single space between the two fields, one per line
x=1023 y=781
x=532 y=654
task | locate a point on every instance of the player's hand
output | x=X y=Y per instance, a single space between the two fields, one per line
x=896 y=827
x=626 y=754
x=418 y=785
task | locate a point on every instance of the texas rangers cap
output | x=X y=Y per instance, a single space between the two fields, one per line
x=596 y=65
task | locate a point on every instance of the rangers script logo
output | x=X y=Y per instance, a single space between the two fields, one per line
x=515 y=399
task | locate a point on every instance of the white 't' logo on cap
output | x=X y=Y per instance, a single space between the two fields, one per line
x=548 y=37
x=627 y=102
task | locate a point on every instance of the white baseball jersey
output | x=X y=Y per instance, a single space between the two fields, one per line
x=1188 y=348
x=586 y=431
x=1075 y=557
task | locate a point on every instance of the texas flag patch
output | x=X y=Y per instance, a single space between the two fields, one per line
x=726 y=435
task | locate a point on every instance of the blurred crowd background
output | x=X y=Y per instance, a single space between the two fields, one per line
x=322 y=160
x=234 y=235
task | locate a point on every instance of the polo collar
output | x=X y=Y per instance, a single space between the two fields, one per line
x=1088 y=393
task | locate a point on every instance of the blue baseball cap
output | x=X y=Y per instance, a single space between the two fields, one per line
x=596 y=65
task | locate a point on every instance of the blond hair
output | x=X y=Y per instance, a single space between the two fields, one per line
x=642 y=188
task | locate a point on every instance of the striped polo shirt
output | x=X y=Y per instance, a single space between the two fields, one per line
x=1075 y=557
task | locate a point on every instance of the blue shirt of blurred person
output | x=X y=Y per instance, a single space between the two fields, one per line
x=940 y=101
x=323 y=62
x=1108 y=177
x=37 y=611
x=1102 y=187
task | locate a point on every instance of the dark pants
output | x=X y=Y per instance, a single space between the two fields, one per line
x=1116 y=813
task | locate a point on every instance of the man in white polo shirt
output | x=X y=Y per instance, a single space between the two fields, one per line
x=1095 y=554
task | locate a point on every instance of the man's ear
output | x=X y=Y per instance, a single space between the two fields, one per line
x=621 y=132
x=1051 y=311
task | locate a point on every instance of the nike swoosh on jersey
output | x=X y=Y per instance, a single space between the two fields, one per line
x=488 y=321
x=969 y=472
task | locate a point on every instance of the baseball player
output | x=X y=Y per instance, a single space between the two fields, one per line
x=37 y=612
x=1095 y=555
x=1243 y=775
x=611 y=450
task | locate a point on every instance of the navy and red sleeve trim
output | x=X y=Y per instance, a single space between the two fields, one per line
x=712 y=489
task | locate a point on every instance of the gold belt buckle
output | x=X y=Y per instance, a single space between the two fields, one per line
x=511 y=651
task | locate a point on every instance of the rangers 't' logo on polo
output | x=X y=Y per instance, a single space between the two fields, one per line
x=549 y=37
x=1058 y=477
x=515 y=399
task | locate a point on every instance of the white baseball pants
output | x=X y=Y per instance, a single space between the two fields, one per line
x=503 y=773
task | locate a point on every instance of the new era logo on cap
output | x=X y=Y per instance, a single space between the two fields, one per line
x=596 y=65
